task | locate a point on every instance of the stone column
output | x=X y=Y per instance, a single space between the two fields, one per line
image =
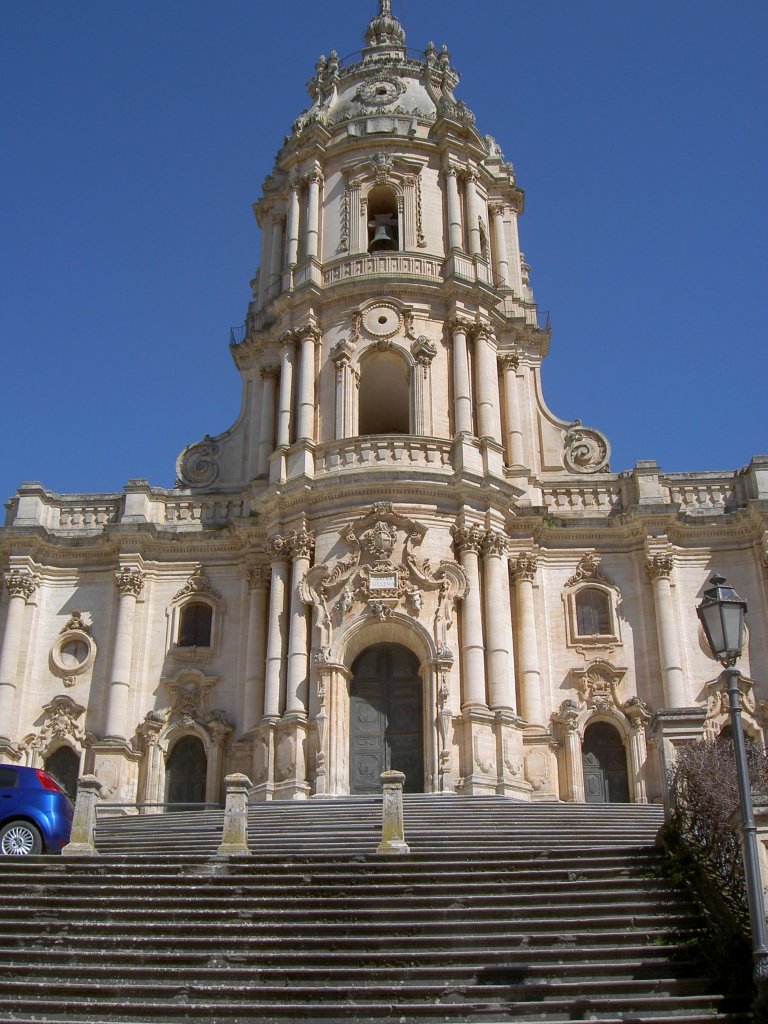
x=256 y=645
x=423 y=352
x=234 y=836
x=286 y=390
x=274 y=682
x=21 y=585
x=346 y=385
x=568 y=720
x=473 y=214
x=659 y=570
x=392 y=833
x=292 y=227
x=468 y=540
x=269 y=375
x=267 y=227
x=639 y=716
x=129 y=582
x=305 y=429
x=510 y=362
x=454 y=208
x=498 y=623
x=500 y=244
x=488 y=422
x=523 y=574
x=276 y=257
x=314 y=180
x=300 y=544
x=462 y=400
x=82 y=838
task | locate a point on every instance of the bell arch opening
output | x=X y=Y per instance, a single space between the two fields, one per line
x=384 y=396
x=186 y=771
x=606 y=779
x=383 y=227
x=386 y=718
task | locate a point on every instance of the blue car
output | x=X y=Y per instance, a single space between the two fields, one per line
x=35 y=812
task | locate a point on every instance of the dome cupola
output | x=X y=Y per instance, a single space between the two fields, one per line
x=385 y=31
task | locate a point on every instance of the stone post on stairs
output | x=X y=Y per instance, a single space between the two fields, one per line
x=234 y=837
x=81 y=841
x=392 y=831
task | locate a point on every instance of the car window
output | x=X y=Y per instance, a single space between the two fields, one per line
x=9 y=778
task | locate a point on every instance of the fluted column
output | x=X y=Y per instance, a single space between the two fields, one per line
x=515 y=259
x=500 y=244
x=305 y=429
x=659 y=569
x=498 y=623
x=513 y=439
x=292 y=227
x=287 y=356
x=346 y=384
x=274 y=680
x=524 y=573
x=301 y=544
x=488 y=421
x=455 y=233
x=129 y=582
x=473 y=214
x=313 y=213
x=462 y=399
x=267 y=227
x=276 y=257
x=256 y=647
x=21 y=585
x=269 y=376
x=468 y=541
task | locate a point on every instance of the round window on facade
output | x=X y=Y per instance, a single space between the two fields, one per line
x=72 y=654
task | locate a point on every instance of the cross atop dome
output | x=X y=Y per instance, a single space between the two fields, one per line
x=385 y=31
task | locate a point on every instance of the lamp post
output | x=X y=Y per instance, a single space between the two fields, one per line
x=721 y=614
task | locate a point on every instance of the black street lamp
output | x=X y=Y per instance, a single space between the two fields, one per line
x=721 y=614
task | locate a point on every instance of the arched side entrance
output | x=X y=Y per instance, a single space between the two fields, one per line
x=185 y=772
x=64 y=765
x=604 y=756
x=386 y=719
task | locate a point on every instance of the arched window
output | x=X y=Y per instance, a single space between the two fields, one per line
x=195 y=625
x=593 y=613
x=384 y=397
x=383 y=228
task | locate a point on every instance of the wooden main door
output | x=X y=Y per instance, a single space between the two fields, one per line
x=605 y=765
x=386 y=729
x=185 y=772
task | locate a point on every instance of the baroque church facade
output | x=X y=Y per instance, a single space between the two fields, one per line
x=398 y=556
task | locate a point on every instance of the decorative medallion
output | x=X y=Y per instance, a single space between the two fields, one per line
x=380 y=91
x=382 y=320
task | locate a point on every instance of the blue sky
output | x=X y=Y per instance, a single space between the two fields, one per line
x=137 y=133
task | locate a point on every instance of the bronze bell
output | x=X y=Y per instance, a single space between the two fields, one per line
x=383 y=239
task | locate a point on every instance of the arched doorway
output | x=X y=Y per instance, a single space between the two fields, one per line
x=605 y=765
x=64 y=765
x=185 y=772
x=386 y=731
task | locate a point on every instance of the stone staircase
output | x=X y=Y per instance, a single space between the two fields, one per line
x=502 y=912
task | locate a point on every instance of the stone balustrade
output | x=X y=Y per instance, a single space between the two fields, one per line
x=389 y=264
x=386 y=451
x=698 y=494
x=600 y=498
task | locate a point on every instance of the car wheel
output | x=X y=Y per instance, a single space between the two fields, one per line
x=19 y=838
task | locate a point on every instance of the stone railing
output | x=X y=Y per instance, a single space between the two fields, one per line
x=385 y=451
x=600 y=498
x=386 y=264
x=699 y=494
x=87 y=516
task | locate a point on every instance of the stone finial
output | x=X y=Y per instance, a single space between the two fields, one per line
x=385 y=30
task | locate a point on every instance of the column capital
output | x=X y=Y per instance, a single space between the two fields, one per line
x=314 y=176
x=659 y=567
x=21 y=583
x=483 y=332
x=300 y=543
x=459 y=325
x=451 y=171
x=270 y=372
x=496 y=209
x=423 y=350
x=468 y=538
x=309 y=332
x=508 y=360
x=342 y=351
x=524 y=567
x=495 y=544
x=129 y=581
x=279 y=549
x=288 y=339
x=257 y=576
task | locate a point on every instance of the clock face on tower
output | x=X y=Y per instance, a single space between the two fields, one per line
x=378 y=92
